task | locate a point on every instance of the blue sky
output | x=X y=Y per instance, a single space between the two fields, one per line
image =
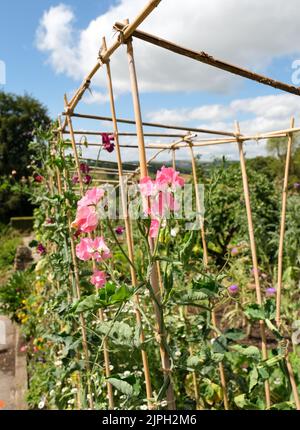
x=171 y=90
x=26 y=67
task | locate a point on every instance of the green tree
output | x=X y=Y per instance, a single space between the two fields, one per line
x=225 y=213
x=19 y=115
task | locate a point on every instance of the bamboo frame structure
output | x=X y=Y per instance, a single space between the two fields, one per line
x=97 y=133
x=254 y=256
x=161 y=335
x=101 y=314
x=153 y=124
x=206 y=262
x=127 y=31
x=128 y=232
x=77 y=286
x=206 y=58
x=280 y=259
x=282 y=224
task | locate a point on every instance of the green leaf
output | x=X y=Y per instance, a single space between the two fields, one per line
x=220 y=345
x=270 y=309
x=253 y=378
x=109 y=295
x=185 y=250
x=207 y=286
x=263 y=373
x=121 y=386
x=193 y=361
x=234 y=334
x=283 y=406
x=168 y=278
x=248 y=351
x=122 y=294
x=244 y=403
x=255 y=312
x=273 y=360
x=120 y=332
x=88 y=303
x=273 y=329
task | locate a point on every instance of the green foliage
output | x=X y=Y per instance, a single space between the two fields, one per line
x=225 y=212
x=14 y=294
x=19 y=116
x=197 y=340
x=9 y=241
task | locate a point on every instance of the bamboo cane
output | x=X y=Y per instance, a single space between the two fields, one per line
x=153 y=124
x=78 y=295
x=280 y=260
x=101 y=314
x=125 y=133
x=205 y=261
x=206 y=58
x=196 y=143
x=293 y=382
x=194 y=376
x=78 y=377
x=128 y=231
x=173 y=159
x=161 y=332
x=150 y=6
x=254 y=255
x=198 y=205
x=282 y=225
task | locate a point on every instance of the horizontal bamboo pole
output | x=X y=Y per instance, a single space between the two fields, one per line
x=150 y=146
x=151 y=5
x=154 y=124
x=284 y=131
x=104 y=170
x=98 y=133
x=100 y=144
x=107 y=181
x=205 y=58
x=200 y=142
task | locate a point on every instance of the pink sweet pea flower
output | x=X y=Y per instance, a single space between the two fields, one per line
x=102 y=252
x=163 y=204
x=168 y=177
x=84 y=249
x=154 y=227
x=91 y=197
x=86 y=219
x=147 y=187
x=98 y=279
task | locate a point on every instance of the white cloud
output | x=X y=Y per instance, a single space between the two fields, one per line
x=249 y=33
x=264 y=113
x=259 y=115
x=95 y=97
